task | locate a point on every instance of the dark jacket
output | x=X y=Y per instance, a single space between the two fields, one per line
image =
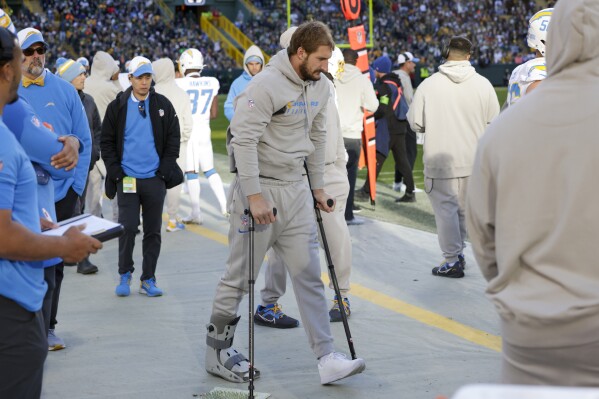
x=165 y=126
x=95 y=125
x=386 y=121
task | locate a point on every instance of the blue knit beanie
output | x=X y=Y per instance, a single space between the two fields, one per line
x=70 y=69
x=382 y=64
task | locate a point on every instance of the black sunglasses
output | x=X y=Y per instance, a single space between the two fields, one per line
x=142 y=108
x=29 y=52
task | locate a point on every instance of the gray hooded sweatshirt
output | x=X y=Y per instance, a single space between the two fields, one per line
x=164 y=77
x=537 y=246
x=453 y=107
x=99 y=85
x=279 y=121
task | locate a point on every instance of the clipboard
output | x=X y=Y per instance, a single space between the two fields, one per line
x=101 y=229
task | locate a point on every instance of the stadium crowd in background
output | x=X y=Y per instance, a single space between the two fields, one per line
x=85 y=27
x=496 y=26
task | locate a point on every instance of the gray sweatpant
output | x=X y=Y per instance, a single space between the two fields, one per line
x=293 y=235
x=95 y=189
x=448 y=198
x=338 y=238
x=173 y=195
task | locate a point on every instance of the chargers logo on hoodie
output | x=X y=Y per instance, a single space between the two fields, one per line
x=298 y=107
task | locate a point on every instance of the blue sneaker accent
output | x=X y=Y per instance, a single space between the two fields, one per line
x=273 y=316
x=449 y=270
x=149 y=288
x=123 y=288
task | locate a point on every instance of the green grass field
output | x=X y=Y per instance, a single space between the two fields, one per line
x=219 y=130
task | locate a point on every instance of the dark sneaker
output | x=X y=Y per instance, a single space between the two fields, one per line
x=357 y=208
x=407 y=197
x=356 y=221
x=273 y=316
x=449 y=270
x=335 y=313
x=86 y=267
x=462 y=260
x=361 y=195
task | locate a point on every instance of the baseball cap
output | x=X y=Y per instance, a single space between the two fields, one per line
x=407 y=56
x=140 y=65
x=29 y=36
x=6 y=22
x=382 y=64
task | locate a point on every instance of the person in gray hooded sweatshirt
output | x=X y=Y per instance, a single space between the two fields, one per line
x=279 y=121
x=100 y=87
x=537 y=247
x=164 y=77
x=453 y=108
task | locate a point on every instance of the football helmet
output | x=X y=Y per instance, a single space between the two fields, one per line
x=336 y=63
x=537 y=30
x=191 y=59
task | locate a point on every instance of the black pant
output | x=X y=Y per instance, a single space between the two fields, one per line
x=352 y=146
x=397 y=145
x=23 y=350
x=50 y=278
x=65 y=208
x=411 y=150
x=150 y=197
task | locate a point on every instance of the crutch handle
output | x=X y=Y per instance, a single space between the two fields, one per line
x=274 y=210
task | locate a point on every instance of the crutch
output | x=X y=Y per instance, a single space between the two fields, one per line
x=331 y=267
x=251 y=283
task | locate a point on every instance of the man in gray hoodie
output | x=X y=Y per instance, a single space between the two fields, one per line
x=453 y=108
x=279 y=121
x=536 y=247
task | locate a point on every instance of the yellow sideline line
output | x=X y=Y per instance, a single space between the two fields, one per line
x=424 y=316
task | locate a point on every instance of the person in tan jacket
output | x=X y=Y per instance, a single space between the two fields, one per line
x=452 y=108
x=536 y=246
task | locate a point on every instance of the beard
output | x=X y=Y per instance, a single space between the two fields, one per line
x=306 y=74
x=36 y=67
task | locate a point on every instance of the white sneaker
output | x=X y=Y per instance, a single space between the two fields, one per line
x=55 y=343
x=399 y=187
x=336 y=366
x=193 y=220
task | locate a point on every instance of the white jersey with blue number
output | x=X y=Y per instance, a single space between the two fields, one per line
x=523 y=76
x=201 y=91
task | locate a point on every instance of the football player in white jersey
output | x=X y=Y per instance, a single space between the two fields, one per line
x=202 y=91
x=528 y=75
